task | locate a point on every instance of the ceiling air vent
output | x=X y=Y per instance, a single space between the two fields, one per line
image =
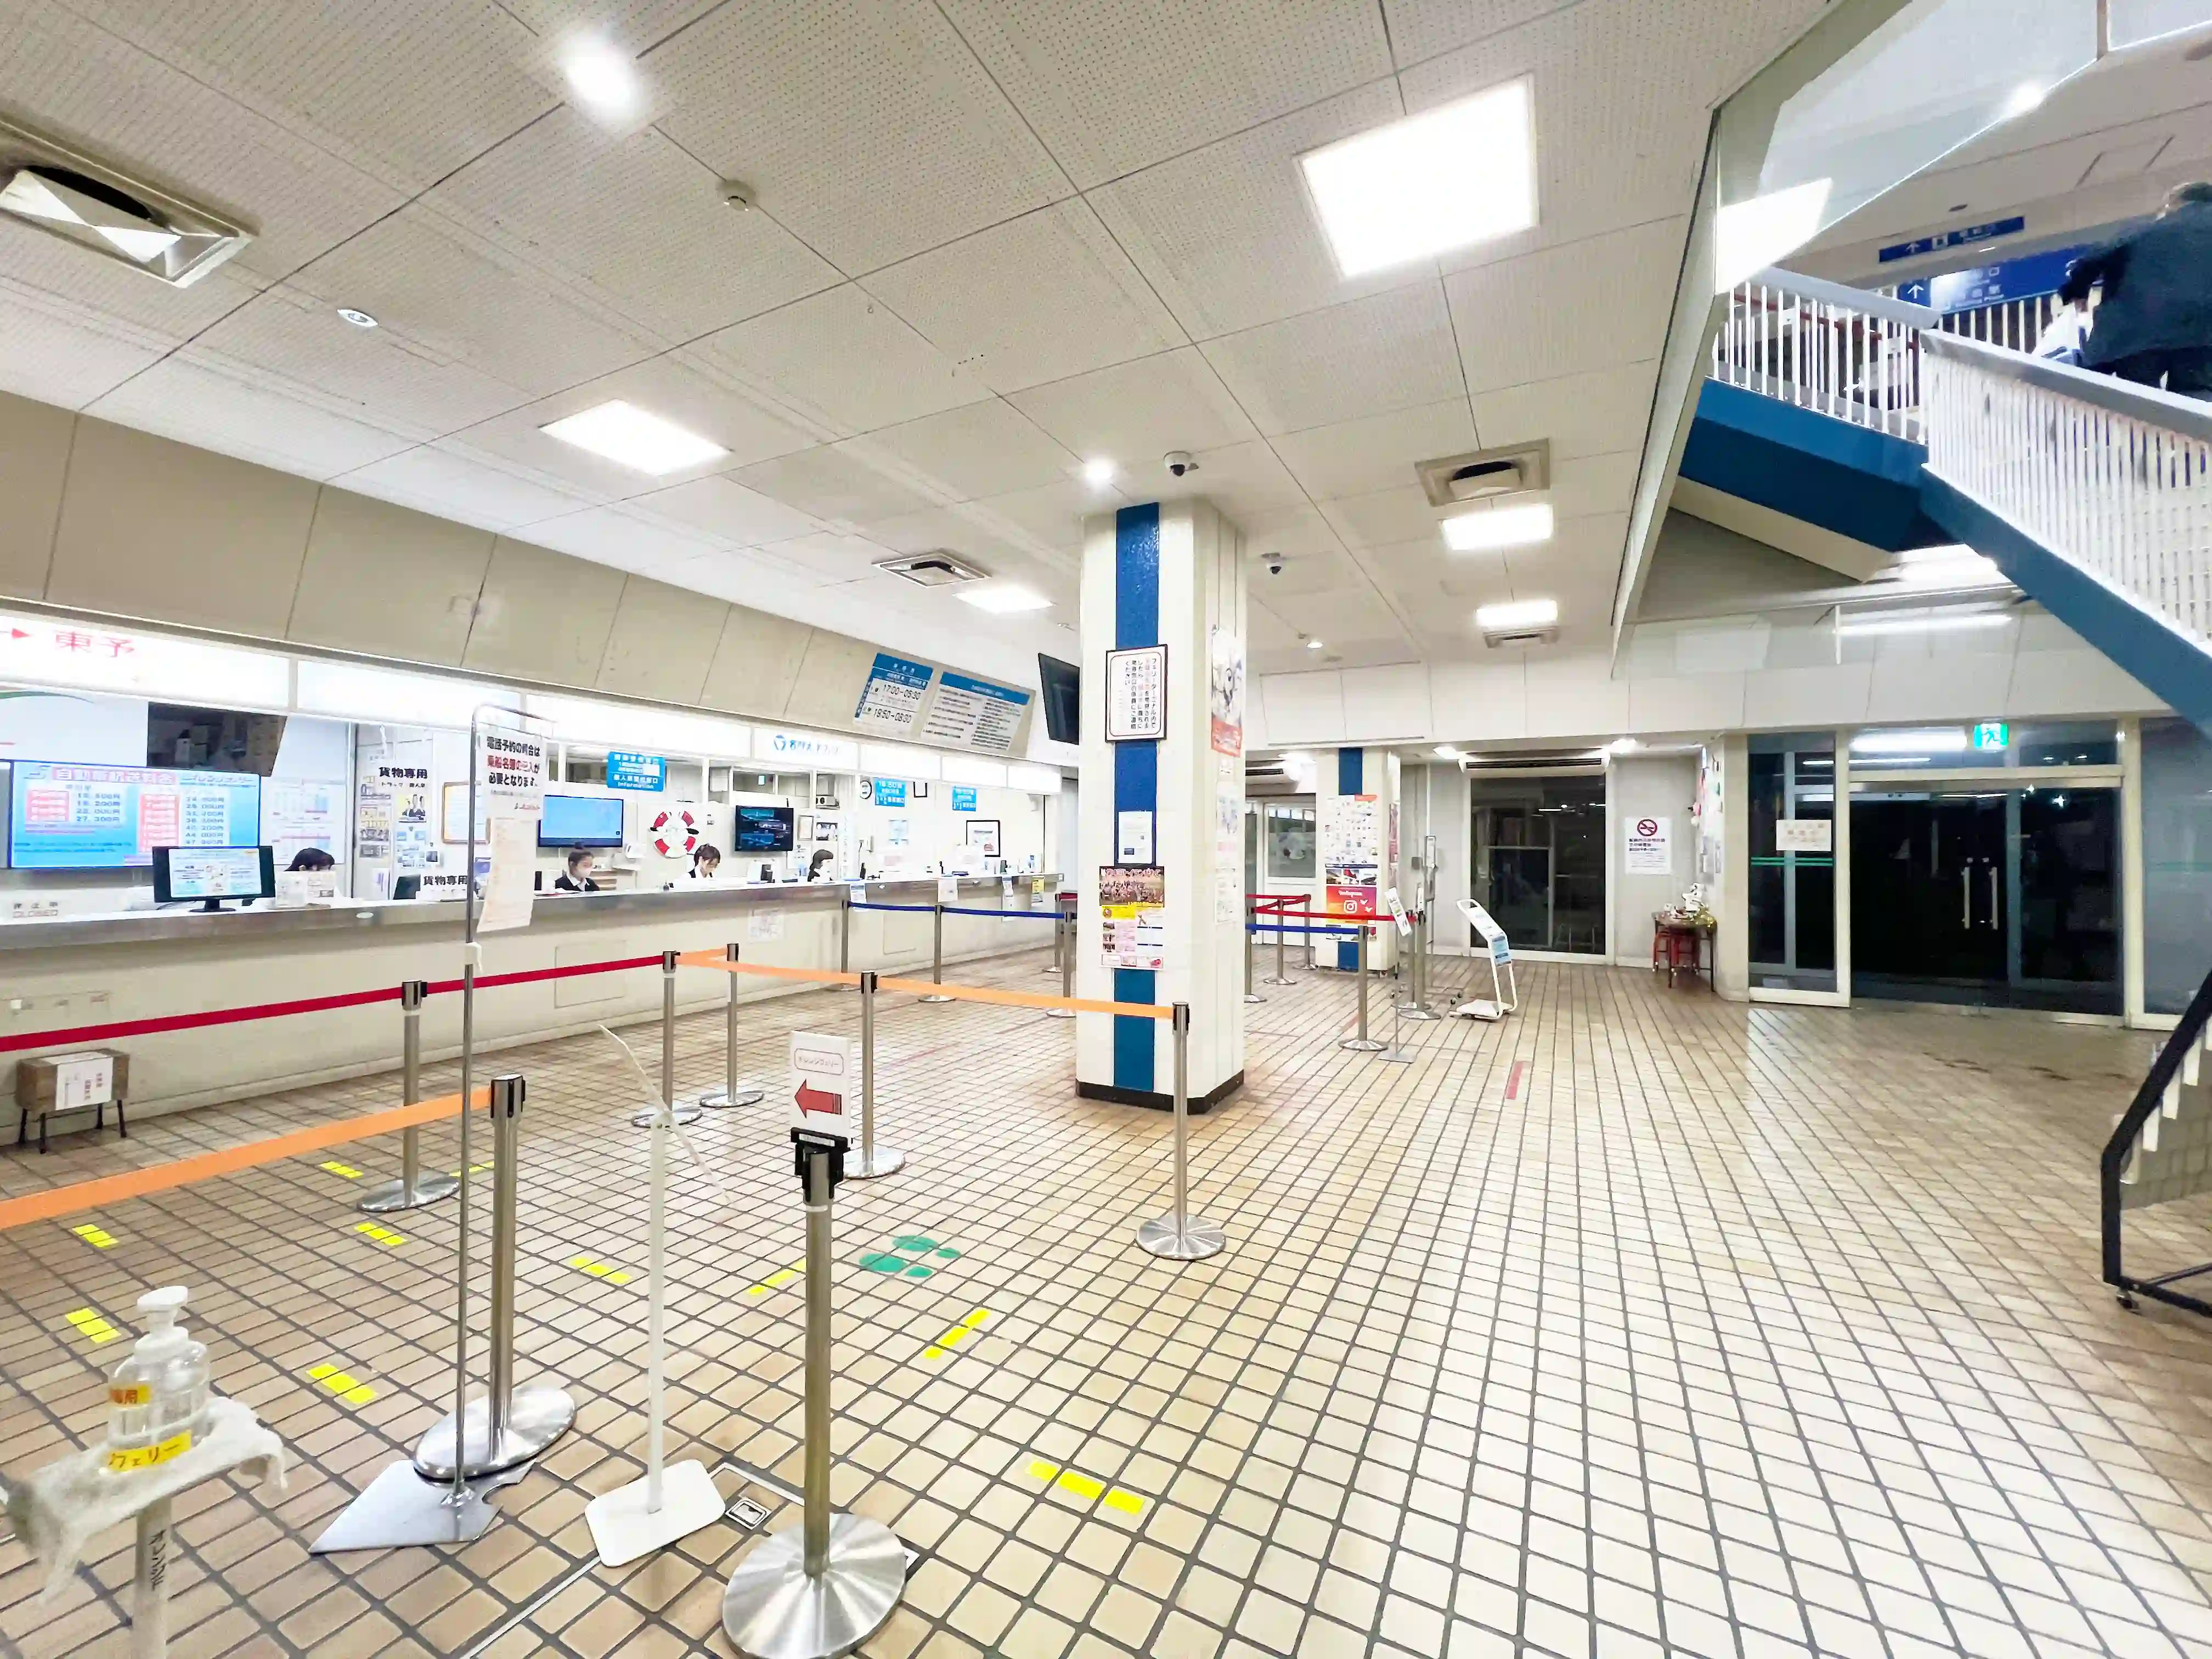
x=1535 y=760
x=938 y=567
x=51 y=187
x=1485 y=474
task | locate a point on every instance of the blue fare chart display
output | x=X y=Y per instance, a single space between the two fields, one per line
x=892 y=696
x=65 y=817
x=975 y=713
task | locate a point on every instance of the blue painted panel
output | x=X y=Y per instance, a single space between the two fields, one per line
x=1351 y=780
x=1845 y=478
x=2167 y=661
x=1136 y=765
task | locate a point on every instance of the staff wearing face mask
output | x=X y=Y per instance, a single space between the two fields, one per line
x=579 y=877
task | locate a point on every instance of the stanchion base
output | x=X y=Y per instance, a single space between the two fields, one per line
x=1415 y=1010
x=400 y=1508
x=685 y=1111
x=1278 y=978
x=1397 y=1057
x=719 y=1100
x=539 y=1415
x=389 y=1196
x=866 y=1166
x=936 y=997
x=622 y=1529
x=772 y=1610
x=1193 y=1241
x=1254 y=996
x=1059 y=1014
x=1363 y=1045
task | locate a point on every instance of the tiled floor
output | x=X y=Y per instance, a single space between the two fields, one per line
x=1641 y=1322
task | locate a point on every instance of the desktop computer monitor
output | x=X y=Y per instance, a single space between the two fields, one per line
x=212 y=874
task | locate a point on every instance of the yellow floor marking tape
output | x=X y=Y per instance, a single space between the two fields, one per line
x=605 y=1270
x=383 y=1235
x=776 y=1281
x=352 y=1390
x=99 y=1237
x=91 y=1326
x=474 y=1170
x=338 y=1169
x=981 y=1320
x=1088 y=1487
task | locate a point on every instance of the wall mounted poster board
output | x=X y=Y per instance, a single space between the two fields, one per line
x=1137 y=695
x=974 y=713
x=892 y=698
x=983 y=837
x=1225 y=692
x=1133 y=907
x=1351 y=834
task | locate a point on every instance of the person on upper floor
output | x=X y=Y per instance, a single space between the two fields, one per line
x=2153 y=323
x=578 y=877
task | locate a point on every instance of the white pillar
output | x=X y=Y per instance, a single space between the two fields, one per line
x=1172 y=574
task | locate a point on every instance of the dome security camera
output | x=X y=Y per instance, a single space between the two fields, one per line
x=1179 y=462
x=1274 y=563
x=735 y=193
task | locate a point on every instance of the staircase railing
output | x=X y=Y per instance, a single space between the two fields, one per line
x=1838 y=351
x=2115 y=478
x=2162 y=1149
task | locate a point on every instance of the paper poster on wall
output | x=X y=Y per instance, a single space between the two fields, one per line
x=1137 y=695
x=372 y=821
x=892 y=697
x=1225 y=691
x=510 y=772
x=1650 y=848
x=454 y=816
x=299 y=814
x=1133 y=837
x=1133 y=909
x=506 y=890
x=1350 y=833
x=974 y=713
x=764 y=924
x=895 y=832
x=1804 y=835
x=983 y=837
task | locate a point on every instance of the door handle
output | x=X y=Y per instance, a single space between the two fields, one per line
x=1966 y=897
x=1993 y=896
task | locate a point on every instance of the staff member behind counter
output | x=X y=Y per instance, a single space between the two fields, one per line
x=579 y=877
x=706 y=863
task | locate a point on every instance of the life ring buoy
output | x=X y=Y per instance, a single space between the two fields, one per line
x=674 y=833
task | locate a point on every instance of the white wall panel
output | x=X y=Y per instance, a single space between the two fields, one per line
x=1302 y=708
x=1383 y=704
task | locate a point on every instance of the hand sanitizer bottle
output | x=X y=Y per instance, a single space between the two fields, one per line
x=135 y=1437
x=181 y=1396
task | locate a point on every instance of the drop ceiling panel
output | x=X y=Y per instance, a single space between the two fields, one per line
x=640 y=220
x=665 y=386
x=1117 y=85
x=1422 y=29
x=634 y=25
x=445 y=85
x=1246 y=481
x=1191 y=223
x=982 y=449
x=620 y=539
x=1593 y=484
x=841 y=361
x=543 y=615
x=293 y=340
x=436 y=480
x=726 y=512
x=143 y=117
x=78 y=279
x=434 y=280
x=1336 y=614
x=1038 y=298
x=61 y=353
x=1567 y=310
x=833 y=485
x=1054 y=513
x=1366 y=356
x=201 y=400
x=1303 y=573
x=1133 y=413
x=826 y=558
x=867 y=125
x=1296 y=532
x=1593 y=413
x=1377 y=451
x=1400 y=514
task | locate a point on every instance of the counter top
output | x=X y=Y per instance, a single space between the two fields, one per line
x=231 y=927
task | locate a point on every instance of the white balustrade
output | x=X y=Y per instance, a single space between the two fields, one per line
x=1849 y=355
x=2115 y=477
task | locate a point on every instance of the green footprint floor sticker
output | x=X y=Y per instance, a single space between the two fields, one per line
x=908 y=1255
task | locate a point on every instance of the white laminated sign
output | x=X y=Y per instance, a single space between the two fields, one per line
x=825 y=1083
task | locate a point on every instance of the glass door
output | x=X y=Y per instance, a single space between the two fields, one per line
x=1792 y=797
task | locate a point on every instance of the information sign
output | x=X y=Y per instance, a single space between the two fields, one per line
x=1992 y=734
x=1132 y=907
x=892 y=697
x=888 y=791
x=510 y=772
x=964 y=800
x=974 y=713
x=1137 y=695
x=825 y=1072
x=1651 y=849
x=1804 y=835
x=646 y=772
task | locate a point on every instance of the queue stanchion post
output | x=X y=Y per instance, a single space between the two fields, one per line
x=873 y=1160
x=1179 y=1235
x=823 y=1588
x=1363 y=1044
x=1416 y=1007
x=509 y=1425
x=1251 y=927
x=1397 y=1053
x=1282 y=974
x=1065 y=966
x=687 y=1113
x=414 y=1188
x=731 y=1093
x=937 y=953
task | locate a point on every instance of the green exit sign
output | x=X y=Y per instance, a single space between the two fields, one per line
x=1992 y=734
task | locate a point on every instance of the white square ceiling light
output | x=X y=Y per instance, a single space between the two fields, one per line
x=1499 y=528
x=633 y=437
x=1517 y=613
x=1006 y=599
x=1447 y=177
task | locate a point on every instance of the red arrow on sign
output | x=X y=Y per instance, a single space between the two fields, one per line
x=812 y=1099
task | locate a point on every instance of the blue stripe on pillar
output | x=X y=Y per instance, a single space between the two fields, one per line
x=1351 y=780
x=1136 y=765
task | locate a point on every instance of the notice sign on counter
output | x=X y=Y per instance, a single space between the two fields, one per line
x=511 y=772
x=1132 y=907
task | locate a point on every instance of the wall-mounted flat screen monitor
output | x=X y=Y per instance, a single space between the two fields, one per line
x=212 y=874
x=1062 y=685
x=62 y=815
x=580 y=821
x=762 y=830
